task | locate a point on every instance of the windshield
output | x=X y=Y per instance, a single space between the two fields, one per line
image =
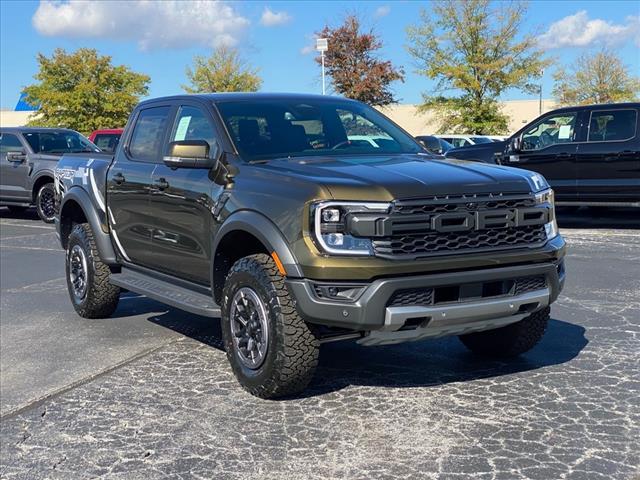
x=59 y=142
x=265 y=129
x=481 y=140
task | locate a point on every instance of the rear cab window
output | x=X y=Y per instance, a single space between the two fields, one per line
x=612 y=125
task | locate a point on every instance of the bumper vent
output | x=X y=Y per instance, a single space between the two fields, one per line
x=461 y=293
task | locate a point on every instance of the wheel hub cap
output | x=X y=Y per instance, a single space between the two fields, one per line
x=249 y=327
x=78 y=272
x=47 y=203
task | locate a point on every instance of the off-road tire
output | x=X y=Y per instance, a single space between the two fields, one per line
x=17 y=209
x=511 y=340
x=43 y=202
x=292 y=349
x=101 y=297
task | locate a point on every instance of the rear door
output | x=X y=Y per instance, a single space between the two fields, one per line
x=182 y=202
x=129 y=184
x=549 y=147
x=609 y=159
x=14 y=175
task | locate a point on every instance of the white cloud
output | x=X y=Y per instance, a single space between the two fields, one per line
x=152 y=24
x=306 y=50
x=579 y=31
x=273 y=19
x=382 y=11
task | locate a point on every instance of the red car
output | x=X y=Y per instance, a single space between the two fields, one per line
x=106 y=139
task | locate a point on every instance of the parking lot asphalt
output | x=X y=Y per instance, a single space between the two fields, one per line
x=149 y=394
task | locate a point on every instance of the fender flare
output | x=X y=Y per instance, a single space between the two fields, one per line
x=264 y=230
x=38 y=175
x=102 y=239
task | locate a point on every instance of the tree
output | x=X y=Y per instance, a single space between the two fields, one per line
x=84 y=91
x=599 y=77
x=474 y=50
x=355 y=70
x=223 y=71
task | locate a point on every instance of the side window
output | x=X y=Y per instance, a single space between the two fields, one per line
x=612 y=125
x=549 y=131
x=148 y=133
x=10 y=143
x=107 y=142
x=192 y=124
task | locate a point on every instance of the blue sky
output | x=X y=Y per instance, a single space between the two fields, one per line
x=160 y=38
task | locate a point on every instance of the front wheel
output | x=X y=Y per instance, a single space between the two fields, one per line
x=87 y=277
x=272 y=351
x=511 y=340
x=45 y=202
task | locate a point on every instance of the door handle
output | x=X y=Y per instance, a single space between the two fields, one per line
x=161 y=183
x=628 y=153
x=118 y=178
x=563 y=155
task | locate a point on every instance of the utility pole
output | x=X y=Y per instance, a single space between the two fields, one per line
x=540 y=91
x=322 y=45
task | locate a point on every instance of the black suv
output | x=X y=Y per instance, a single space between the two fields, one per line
x=590 y=154
x=262 y=210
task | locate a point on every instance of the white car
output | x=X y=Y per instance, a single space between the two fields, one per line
x=497 y=138
x=465 y=140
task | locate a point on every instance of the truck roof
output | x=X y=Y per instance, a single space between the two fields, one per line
x=242 y=96
x=34 y=129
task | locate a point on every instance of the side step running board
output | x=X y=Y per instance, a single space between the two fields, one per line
x=165 y=292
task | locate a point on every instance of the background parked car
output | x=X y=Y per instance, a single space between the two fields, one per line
x=106 y=139
x=497 y=138
x=589 y=154
x=459 y=141
x=28 y=157
x=434 y=144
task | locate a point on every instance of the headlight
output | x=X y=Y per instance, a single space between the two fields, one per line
x=330 y=226
x=547 y=196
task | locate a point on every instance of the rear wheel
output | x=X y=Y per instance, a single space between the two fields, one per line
x=272 y=351
x=45 y=202
x=512 y=340
x=87 y=277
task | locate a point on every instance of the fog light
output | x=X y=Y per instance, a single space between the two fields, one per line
x=335 y=239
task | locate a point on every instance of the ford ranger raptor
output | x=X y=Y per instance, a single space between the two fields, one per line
x=270 y=212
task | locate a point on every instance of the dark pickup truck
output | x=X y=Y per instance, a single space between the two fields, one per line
x=590 y=154
x=259 y=210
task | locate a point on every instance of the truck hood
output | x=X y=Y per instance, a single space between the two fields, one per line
x=388 y=177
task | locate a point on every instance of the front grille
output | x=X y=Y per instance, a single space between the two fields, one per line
x=438 y=243
x=427 y=296
x=412 y=234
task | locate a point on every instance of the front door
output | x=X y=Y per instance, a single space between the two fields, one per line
x=609 y=161
x=129 y=186
x=182 y=202
x=549 y=147
x=14 y=173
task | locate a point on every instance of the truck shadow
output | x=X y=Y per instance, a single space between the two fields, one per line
x=600 y=217
x=419 y=364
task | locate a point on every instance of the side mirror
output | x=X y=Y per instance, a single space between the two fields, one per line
x=515 y=143
x=16 y=157
x=192 y=154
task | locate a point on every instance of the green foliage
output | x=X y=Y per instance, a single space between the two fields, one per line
x=84 y=91
x=222 y=71
x=599 y=77
x=353 y=66
x=475 y=51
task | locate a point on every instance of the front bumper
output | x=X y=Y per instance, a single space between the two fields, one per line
x=372 y=310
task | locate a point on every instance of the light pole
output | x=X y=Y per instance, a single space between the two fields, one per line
x=540 y=92
x=322 y=45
